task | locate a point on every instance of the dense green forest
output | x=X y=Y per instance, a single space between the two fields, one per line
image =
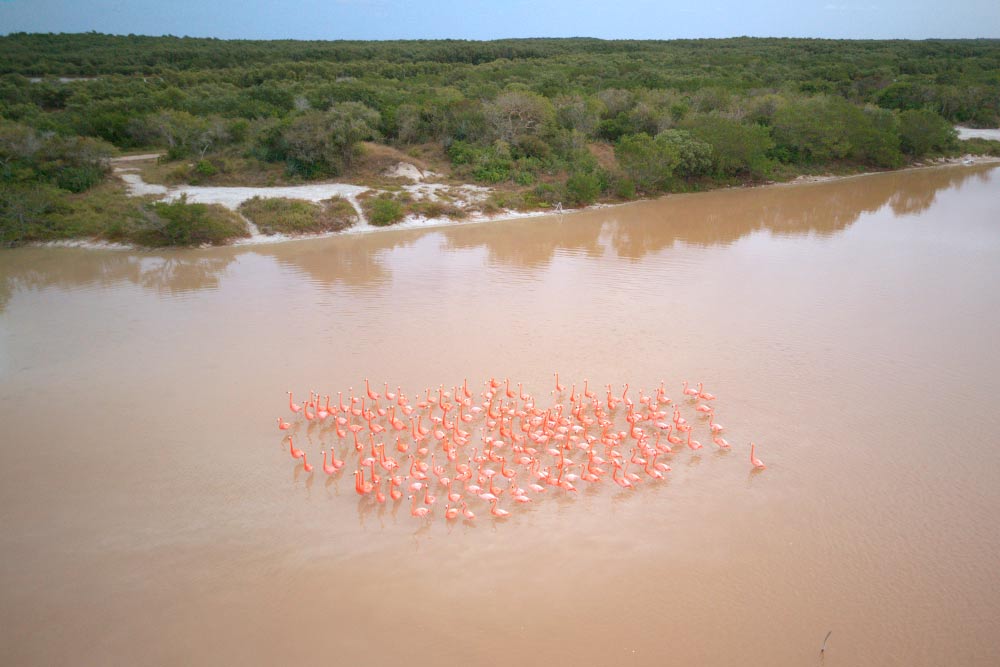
x=543 y=120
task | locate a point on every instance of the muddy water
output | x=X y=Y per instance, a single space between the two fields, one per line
x=151 y=515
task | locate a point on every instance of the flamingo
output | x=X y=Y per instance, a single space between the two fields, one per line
x=693 y=444
x=538 y=441
x=496 y=511
x=418 y=511
x=337 y=465
x=294 y=407
x=328 y=469
x=360 y=485
x=716 y=428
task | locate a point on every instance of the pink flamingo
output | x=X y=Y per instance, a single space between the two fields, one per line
x=693 y=444
x=337 y=464
x=716 y=428
x=704 y=395
x=282 y=424
x=496 y=511
x=360 y=485
x=305 y=464
x=756 y=462
x=690 y=391
x=294 y=407
x=418 y=511
x=328 y=469
x=295 y=451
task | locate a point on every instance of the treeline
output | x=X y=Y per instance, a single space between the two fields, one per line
x=569 y=120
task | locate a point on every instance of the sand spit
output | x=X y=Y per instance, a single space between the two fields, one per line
x=973 y=133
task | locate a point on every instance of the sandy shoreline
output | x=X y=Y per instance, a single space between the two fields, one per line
x=231 y=197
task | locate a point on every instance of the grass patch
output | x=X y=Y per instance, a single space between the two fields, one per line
x=435 y=209
x=179 y=223
x=295 y=216
x=383 y=210
x=979 y=146
x=217 y=169
x=45 y=213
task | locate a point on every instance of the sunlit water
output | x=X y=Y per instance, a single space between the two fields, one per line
x=151 y=515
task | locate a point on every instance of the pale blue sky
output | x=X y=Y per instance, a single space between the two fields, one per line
x=493 y=19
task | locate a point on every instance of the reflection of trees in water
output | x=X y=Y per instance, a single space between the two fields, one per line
x=352 y=260
x=172 y=272
x=820 y=208
x=631 y=231
x=528 y=242
x=718 y=218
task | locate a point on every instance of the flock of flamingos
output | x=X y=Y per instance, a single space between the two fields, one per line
x=426 y=450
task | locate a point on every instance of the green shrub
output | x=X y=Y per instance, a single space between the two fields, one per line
x=383 y=210
x=624 y=188
x=294 y=216
x=462 y=152
x=436 y=209
x=179 y=223
x=79 y=178
x=26 y=213
x=922 y=132
x=549 y=193
x=205 y=168
x=582 y=189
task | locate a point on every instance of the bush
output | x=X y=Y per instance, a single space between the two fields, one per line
x=624 y=188
x=922 y=132
x=295 y=216
x=383 y=210
x=26 y=213
x=582 y=189
x=182 y=224
x=205 y=168
x=648 y=162
x=737 y=149
x=79 y=178
x=435 y=209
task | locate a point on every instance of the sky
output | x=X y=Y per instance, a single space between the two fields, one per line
x=495 y=19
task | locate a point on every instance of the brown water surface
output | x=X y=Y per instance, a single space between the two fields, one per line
x=151 y=515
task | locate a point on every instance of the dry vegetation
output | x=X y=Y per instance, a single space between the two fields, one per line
x=295 y=216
